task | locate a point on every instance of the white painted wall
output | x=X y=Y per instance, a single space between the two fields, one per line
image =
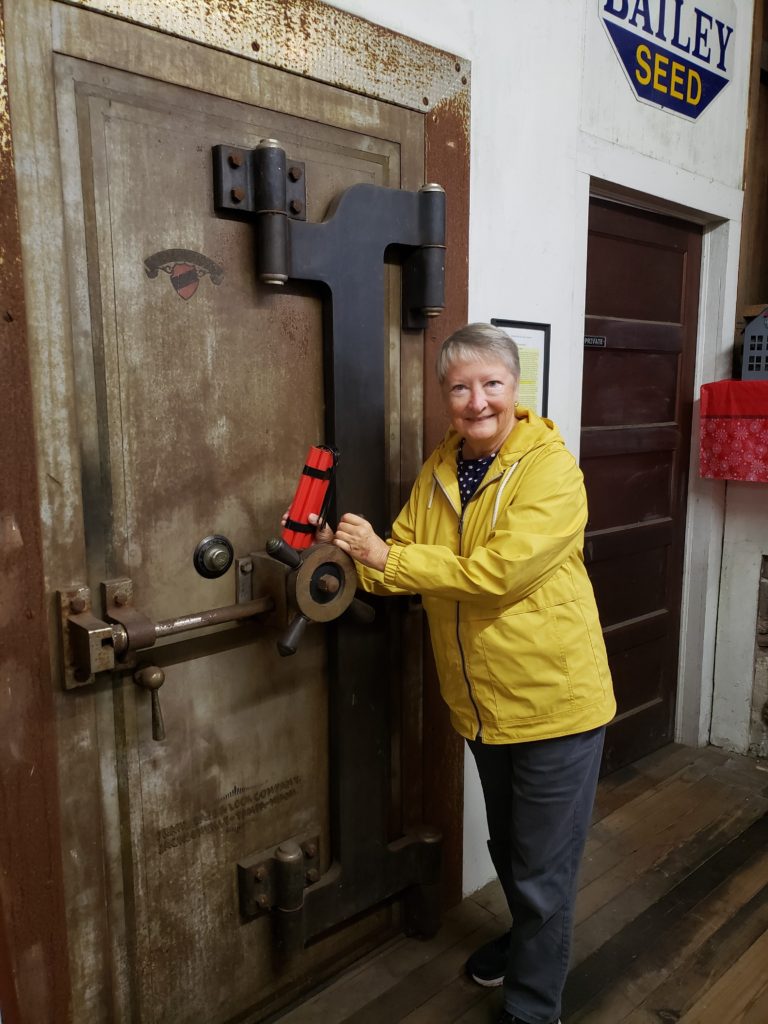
x=552 y=111
x=744 y=544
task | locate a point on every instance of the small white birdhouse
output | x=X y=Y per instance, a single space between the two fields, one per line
x=754 y=363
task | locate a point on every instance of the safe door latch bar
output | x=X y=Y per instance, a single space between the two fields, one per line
x=281 y=587
x=92 y=645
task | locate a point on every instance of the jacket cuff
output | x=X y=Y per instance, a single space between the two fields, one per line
x=393 y=561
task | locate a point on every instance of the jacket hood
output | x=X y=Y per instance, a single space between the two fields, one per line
x=532 y=432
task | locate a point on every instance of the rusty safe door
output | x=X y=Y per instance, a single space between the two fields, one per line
x=177 y=398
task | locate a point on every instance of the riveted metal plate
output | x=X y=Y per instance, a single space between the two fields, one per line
x=234 y=189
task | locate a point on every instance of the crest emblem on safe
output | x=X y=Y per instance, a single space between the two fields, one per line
x=185 y=268
x=677 y=55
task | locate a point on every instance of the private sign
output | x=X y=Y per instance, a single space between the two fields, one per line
x=676 y=55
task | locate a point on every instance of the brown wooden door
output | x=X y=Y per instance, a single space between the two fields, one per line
x=640 y=341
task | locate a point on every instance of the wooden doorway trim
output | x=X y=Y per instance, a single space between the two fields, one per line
x=338 y=49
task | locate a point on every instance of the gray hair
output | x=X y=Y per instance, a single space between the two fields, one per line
x=478 y=341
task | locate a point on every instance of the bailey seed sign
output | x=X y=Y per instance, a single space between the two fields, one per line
x=676 y=54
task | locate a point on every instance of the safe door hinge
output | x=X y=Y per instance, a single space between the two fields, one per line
x=276 y=877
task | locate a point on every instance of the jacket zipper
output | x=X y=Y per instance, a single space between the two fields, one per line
x=479 y=735
x=472 y=700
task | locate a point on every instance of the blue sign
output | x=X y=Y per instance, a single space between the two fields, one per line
x=676 y=55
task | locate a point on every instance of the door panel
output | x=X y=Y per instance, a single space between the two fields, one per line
x=642 y=294
x=647 y=395
x=626 y=585
x=637 y=674
x=197 y=392
x=637 y=278
x=622 y=484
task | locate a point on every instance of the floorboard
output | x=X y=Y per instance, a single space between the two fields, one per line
x=672 y=916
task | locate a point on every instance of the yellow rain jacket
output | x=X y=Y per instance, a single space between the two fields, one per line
x=512 y=616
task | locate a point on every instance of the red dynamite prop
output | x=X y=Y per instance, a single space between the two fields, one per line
x=311 y=496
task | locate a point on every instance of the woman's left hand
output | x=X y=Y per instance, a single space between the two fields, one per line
x=355 y=536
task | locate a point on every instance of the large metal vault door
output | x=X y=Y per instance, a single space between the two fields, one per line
x=177 y=396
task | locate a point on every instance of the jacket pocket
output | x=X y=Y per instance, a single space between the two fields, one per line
x=521 y=659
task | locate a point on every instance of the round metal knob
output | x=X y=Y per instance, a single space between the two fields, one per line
x=216 y=558
x=150 y=677
x=213 y=556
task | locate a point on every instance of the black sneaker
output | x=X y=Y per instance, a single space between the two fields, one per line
x=509 y=1018
x=488 y=964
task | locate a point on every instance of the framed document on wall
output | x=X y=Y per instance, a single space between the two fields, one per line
x=533 y=343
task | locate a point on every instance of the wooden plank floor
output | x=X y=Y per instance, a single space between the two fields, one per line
x=672 y=917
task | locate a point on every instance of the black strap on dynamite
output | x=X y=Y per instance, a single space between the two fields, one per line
x=319 y=474
x=291 y=524
x=331 y=474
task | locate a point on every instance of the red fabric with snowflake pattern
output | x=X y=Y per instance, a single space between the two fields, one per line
x=734 y=430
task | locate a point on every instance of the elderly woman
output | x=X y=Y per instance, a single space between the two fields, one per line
x=492 y=539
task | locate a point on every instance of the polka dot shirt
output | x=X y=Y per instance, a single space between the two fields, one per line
x=470 y=473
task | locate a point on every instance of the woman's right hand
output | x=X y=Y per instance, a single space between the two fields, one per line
x=324 y=535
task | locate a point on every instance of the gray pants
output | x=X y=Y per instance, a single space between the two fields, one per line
x=538 y=798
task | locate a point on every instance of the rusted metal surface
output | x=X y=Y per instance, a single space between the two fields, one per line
x=33 y=948
x=447 y=161
x=381 y=63
x=312 y=39
x=223 y=387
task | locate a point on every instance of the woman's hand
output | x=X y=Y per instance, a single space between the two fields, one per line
x=322 y=536
x=355 y=536
x=325 y=534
